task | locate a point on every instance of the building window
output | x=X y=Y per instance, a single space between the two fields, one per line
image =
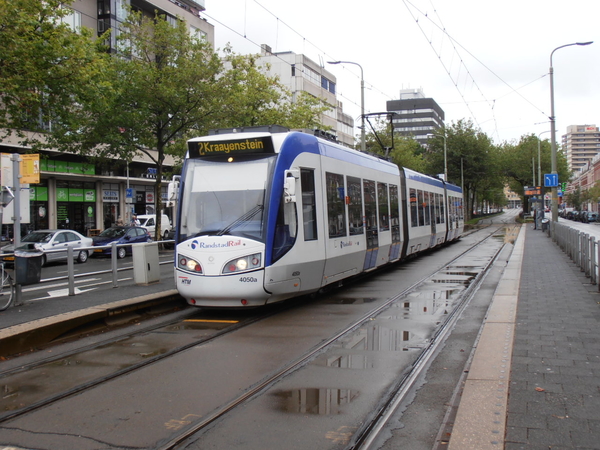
x=73 y=19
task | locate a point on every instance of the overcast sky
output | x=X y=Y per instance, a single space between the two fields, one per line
x=483 y=60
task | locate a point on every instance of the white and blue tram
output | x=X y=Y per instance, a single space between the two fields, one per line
x=265 y=216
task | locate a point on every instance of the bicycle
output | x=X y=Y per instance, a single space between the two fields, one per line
x=7 y=288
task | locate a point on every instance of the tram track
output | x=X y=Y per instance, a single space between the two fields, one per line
x=364 y=437
x=360 y=437
x=4 y=375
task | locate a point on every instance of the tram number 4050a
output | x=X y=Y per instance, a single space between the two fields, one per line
x=248 y=280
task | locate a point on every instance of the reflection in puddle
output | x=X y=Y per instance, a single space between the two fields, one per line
x=347 y=361
x=350 y=300
x=322 y=402
x=378 y=338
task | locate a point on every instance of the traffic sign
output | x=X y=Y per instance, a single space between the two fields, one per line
x=551 y=180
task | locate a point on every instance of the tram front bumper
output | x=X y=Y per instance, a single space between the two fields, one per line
x=230 y=291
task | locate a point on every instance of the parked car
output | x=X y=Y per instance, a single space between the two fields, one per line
x=120 y=235
x=50 y=243
x=588 y=217
x=148 y=221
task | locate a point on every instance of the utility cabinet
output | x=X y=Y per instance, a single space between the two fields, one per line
x=146 y=267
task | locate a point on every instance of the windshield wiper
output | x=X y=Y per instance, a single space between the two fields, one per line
x=243 y=218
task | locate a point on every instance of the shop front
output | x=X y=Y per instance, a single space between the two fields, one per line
x=76 y=206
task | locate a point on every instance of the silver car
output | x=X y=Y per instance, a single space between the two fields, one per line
x=53 y=244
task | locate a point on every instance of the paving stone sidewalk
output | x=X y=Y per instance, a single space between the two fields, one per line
x=554 y=392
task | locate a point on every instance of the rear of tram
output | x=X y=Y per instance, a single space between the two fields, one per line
x=223 y=217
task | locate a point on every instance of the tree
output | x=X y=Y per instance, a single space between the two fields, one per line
x=574 y=198
x=520 y=164
x=405 y=152
x=471 y=158
x=254 y=98
x=42 y=62
x=163 y=84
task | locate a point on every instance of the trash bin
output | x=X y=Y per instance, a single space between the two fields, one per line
x=545 y=224
x=28 y=266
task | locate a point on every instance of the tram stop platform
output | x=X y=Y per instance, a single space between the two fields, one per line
x=537 y=360
x=534 y=378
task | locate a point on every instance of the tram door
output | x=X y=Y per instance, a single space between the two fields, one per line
x=370 y=224
x=395 y=223
x=430 y=196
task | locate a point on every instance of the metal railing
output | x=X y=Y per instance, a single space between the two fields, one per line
x=71 y=275
x=582 y=248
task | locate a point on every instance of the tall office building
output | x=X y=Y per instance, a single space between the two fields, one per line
x=581 y=144
x=298 y=73
x=416 y=115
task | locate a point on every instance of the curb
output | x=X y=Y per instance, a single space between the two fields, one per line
x=27 y=336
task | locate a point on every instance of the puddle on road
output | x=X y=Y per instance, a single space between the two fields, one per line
x=323 y=402
x=406 y=326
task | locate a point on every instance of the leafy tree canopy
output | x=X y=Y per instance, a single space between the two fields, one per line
x=42 y=63
x=403 y=151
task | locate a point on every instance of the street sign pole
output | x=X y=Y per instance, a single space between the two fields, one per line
x=17 y=216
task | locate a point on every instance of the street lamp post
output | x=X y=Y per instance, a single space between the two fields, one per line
x=363 y=145
x=543 y=205
x=553 y=130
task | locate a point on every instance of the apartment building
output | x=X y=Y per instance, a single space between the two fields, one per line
x=74 y=193
x=298 y=73
x=581 y=144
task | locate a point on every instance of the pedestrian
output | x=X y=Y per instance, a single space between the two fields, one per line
x=107 y=221
x=120 y=222
x=134 y=220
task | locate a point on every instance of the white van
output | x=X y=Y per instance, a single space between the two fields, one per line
x=148 y=221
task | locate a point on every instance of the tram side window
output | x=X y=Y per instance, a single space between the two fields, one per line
x=394 y=213
x=370 y=205
x=336 y=208
x=422 y=204
x=384 y=209
x=442 y=212
x=309 y=208
x=427 y=207
x=355 y=216
x=414 y=215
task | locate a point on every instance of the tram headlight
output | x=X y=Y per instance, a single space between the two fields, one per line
x=249 y=262
x=189 y=264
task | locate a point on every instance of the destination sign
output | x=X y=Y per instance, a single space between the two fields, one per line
x=235 y=146
x=533 y=190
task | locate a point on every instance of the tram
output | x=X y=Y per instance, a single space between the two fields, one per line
x=266 y=214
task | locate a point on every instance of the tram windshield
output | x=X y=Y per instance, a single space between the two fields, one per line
x=224 y=199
